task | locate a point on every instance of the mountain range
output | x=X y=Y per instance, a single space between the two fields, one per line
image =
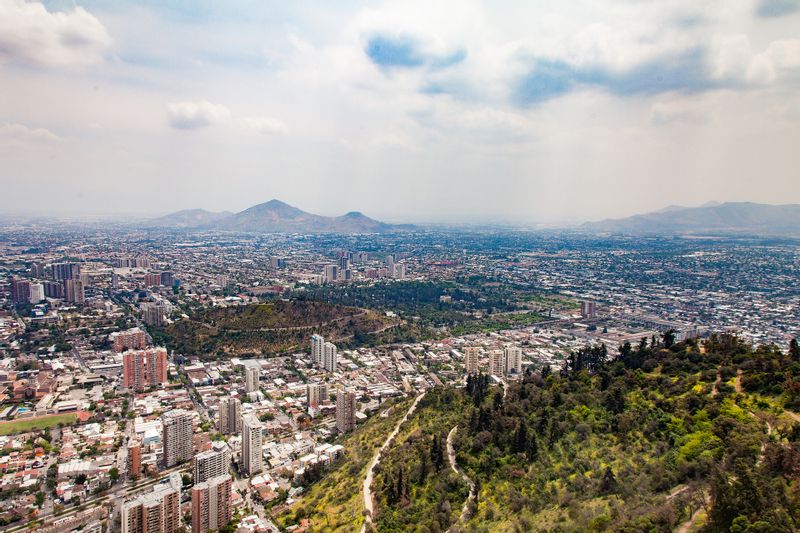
x=275 y=217
x=729 y=217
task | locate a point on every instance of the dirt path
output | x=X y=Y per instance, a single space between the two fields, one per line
x=737 y=384
x=369 y=505
x=451 y=457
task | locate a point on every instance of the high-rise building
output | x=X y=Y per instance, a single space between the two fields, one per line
x=230 y=416
x=20 y=290
x=65 y=271
x=497 y=362
x=212 y=463
x=114 y=280
x=53 y=289
x=154 y=313
x=38 y=270
x=317 y=348
x=252 y=448
x=345 y=410
x=144 y=368
x=316 y=394
x=177 y=438
x=152 y=279
x=251 y=378
x=513 y=359
x=588 y=309
x=167 y=278
x=223 y=280
x=471 y=359
x=211 y=504
x=134 y=459
x=330 y=357
x=331 y=273
x=277 y=262
x=73 y=291
x=398 y=271
x=158 y=511
x=131 y=339
x=37 y=293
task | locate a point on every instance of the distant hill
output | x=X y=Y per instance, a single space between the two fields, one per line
x=276 y=217
x=190 y=218
x=732 y=217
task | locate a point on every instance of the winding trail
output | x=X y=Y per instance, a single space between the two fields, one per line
x=369 y=506
x=451 y=457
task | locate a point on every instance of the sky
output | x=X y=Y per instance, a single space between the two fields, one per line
x=416 y=111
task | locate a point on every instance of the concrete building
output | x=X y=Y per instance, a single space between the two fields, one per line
x=134 y=459
x=345 y=410
x=252 y=378
x=316 y=394
x=158 y=511
x=497 y=363
x=230 y=416
x=154 y=314
x=588 y=309
x=317 y=348
x=177 y=438
x=252 y=445
x=132 y=339
x=513 y=359
x=144 y=368
x=212 y=463
x=20 y=290
x=211 y=504
x=73 y=291
x=65 y=271
x=330 y=357
x=36 y=293
x=471 y=359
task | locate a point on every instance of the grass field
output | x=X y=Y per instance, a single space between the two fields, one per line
x=40 y=422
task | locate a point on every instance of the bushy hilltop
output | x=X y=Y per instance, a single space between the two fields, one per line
x=700 y=436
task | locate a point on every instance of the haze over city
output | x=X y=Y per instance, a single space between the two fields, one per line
x=412 y=112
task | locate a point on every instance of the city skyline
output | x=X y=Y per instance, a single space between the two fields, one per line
x=413 y=113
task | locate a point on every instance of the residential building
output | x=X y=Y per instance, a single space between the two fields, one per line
x=497 y=363
x=177 y=437
x=513 y=359
x=471 y=359
x=132 y=339
x=329 y=357
x=316 y=394
x=144 y=368
x=158 y=511
x=230 y=416
x=212 y=463
x=251 y=378
x=211 y=504
x=134 y=459
x=345 y=410
x=317 y=348
x=252 y=447
x=73 y=291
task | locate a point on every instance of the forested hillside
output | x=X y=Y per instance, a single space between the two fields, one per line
x=662 y=436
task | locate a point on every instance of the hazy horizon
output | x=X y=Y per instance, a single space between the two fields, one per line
x=450 y=112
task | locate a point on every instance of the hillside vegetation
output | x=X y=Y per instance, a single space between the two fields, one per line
x=661 y=436
x=271 y=327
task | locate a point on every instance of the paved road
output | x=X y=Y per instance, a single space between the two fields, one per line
x=367 y=486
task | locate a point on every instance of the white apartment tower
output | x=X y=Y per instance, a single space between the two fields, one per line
x=317 y=348
x=251 y=375
x=252 y=452
x=212 y=463
x=330 y=357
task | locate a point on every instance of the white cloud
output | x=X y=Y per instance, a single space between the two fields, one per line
x=192 y=115
x=265 y=125
x=29 y=34
x=22 y=133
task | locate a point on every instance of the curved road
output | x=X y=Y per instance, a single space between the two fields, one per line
x=451 y=457
x=367 y=486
